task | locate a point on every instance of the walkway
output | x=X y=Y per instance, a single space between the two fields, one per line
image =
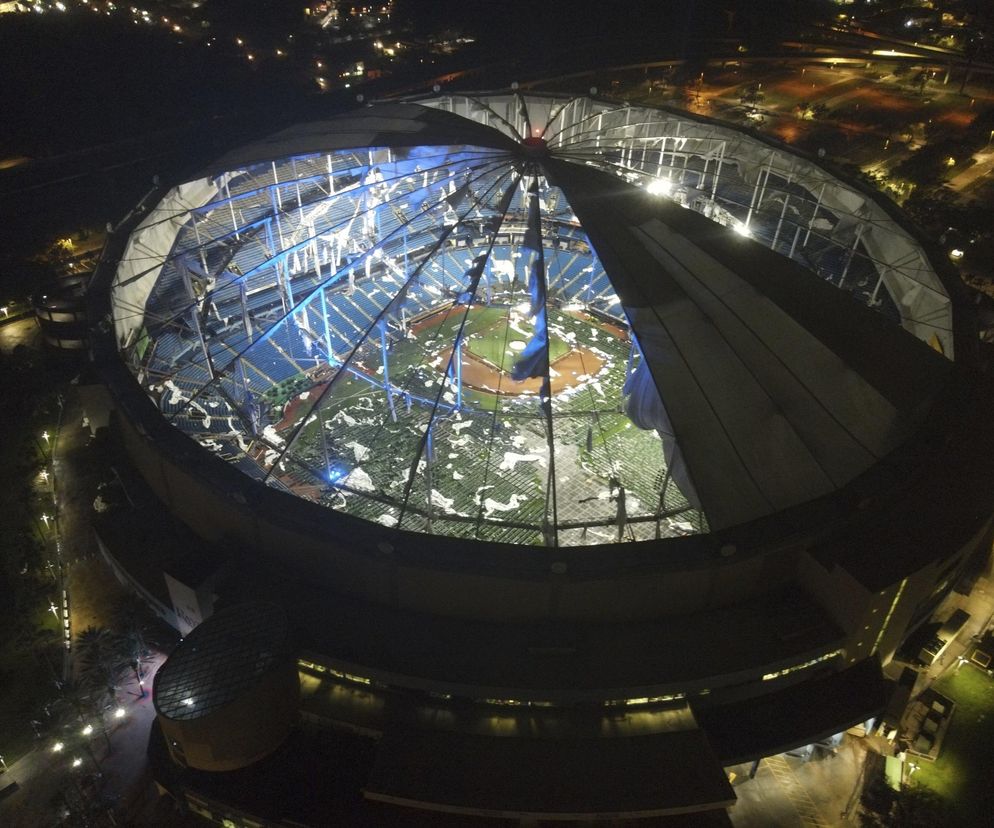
x=789 y=792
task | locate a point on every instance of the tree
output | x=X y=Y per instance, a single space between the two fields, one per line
x=75 y=701
x=914 y=806
x=130 y=622
x=752 y=95
x=101 y=658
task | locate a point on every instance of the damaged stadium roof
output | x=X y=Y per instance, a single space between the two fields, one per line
x=533 y=320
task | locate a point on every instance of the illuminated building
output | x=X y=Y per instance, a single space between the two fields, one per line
x=553 y=407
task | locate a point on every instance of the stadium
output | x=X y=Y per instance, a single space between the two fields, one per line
x=571 y=402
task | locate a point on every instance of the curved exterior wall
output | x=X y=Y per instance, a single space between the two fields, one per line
x=245 y=731
x=720 y=624
x=443 y=576
x=60 y=308
x=399 y=572
x=228 y=694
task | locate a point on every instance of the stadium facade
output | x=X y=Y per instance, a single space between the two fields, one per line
x=561 y=405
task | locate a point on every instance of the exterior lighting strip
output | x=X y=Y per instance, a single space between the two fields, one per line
x=890 y=612
x=802 y=666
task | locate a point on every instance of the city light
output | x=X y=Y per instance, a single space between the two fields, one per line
x=741 y=229
x=87 y=730
x=77 y=762
x=119 y=713
x=659 y=187
x=57 y=747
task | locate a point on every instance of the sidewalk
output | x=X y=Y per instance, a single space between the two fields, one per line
x=789 y=792
x=44 y=775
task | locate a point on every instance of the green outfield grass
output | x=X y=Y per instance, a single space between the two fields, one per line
x=960 y=774
x=470 y=448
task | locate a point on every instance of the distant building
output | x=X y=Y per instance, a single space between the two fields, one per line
x=60 y=308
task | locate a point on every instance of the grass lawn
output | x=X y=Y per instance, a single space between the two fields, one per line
x=961 y=774
x=27 y=683
x=16 y=704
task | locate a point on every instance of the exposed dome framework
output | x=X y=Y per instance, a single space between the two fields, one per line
x=466 y=317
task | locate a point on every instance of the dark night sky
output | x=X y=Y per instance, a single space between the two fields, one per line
x=76 y=81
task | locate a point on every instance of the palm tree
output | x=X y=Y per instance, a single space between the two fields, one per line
x=75 y=700
x=100 y=661
x=130 y=621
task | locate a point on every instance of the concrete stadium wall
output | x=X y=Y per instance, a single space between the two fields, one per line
x=877 y=622
x=361 y=563
x=241 y=732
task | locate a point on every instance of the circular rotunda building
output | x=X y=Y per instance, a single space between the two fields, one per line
x=559 y=402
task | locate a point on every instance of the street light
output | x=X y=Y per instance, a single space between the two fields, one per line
x=57 y=747
x=86 y=732
x=44 y=436
x=45 y=518
x=76 y=762
x=119 y=713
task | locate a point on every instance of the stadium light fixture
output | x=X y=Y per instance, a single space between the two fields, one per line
x=659 y=187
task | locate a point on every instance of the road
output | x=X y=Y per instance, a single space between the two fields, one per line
x=975 y=174
x=48 y=780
